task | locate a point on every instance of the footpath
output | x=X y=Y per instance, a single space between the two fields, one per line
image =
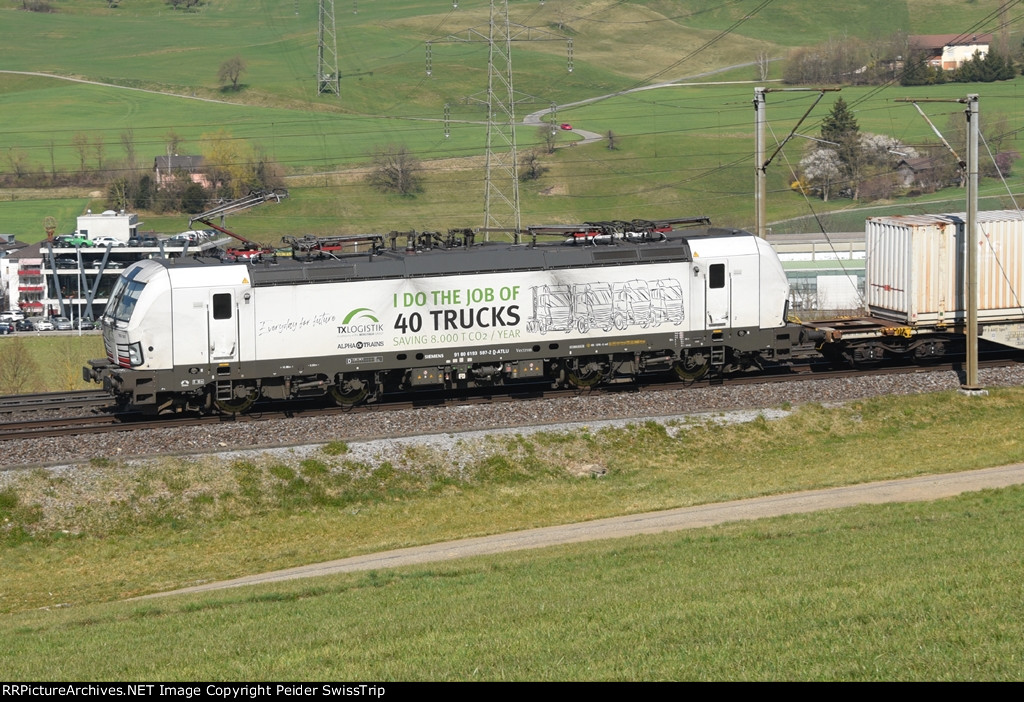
x=919 y=489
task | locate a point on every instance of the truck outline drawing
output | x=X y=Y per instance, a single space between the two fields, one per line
x=600 y=305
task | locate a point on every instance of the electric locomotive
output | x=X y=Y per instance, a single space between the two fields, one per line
x=205 y=335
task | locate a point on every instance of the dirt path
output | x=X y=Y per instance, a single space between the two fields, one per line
x=924 y=488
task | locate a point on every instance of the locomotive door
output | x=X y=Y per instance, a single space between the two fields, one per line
x=223 y=326
x=716 y=295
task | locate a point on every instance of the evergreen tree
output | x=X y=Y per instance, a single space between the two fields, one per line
x=839 y=124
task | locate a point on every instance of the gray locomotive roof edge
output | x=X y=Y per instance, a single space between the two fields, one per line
x=481 y=258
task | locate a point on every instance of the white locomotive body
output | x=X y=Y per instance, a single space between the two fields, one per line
x=198 y=334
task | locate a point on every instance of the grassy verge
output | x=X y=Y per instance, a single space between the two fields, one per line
x=908 y=592
x=42 y=362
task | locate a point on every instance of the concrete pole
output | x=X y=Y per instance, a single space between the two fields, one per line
x=971 y=244
x=760 y=189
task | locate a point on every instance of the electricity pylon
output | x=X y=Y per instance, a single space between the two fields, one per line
x=501 y=195
x=327 y=78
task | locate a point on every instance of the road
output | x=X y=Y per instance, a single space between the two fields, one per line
x=919 y=489
x=536 y=119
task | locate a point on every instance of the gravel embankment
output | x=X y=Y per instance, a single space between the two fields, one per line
x=443 y=424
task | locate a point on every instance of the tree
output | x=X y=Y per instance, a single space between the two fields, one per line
x=822 y=169
x=174 y=142
x=530 y=167
x=762 y=62
x=98 y=146
x=231 y=71
x=548 y=135
x=19 y=369
x=839 y=124
x=395 y=170
x=229 y=163
x=917 y=70
x=18 y=161
x=984 y=69
x=841 y=131
x=193 y=199
x=80 y=142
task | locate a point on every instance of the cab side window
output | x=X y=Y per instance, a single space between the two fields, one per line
x=716 y=275
x=222 y=306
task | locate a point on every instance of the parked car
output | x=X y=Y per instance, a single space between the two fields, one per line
x=12 y=316
x=192 y=236
x=66 y=262
x=6 y=327
x=107 y=241
x=41 y=323
x=62 y=323
x=24 y=325
x=71 y=240
x=85 y=324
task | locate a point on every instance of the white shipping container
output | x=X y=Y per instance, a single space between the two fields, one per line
x=915 y=269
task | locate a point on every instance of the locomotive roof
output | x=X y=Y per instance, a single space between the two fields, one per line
x=479 y=258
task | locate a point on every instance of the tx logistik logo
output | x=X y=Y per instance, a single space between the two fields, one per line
x=360 y=322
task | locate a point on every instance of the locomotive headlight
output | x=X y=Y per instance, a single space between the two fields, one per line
x=135 y=354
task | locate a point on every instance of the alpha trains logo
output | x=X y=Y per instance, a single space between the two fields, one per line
x=360 y=322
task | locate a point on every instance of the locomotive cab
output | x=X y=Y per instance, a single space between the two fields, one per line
x=136 y=332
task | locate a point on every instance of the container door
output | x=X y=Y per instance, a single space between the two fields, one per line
x=223 y=327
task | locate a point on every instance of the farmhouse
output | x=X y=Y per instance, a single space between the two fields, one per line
x=948 y=51
x=169 y=168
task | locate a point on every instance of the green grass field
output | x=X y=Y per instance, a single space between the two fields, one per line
x=48 y=362
x=927 y=591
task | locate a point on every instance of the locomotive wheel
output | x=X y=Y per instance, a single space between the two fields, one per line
x=236 y=405
x=585 y=375
x=692 y=368
x=349 y=393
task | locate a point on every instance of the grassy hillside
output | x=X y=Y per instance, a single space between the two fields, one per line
x=682 y=150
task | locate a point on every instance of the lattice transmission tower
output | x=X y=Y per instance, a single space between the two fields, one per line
x=501 y=178
x=327 y=78
x=501 y=189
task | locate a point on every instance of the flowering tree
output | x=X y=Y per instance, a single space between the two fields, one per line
x=822 y=170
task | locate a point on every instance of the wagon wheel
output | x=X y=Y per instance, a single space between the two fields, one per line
x=236 y=405
x=350 y=392
x=692 y=368
x=585 y=375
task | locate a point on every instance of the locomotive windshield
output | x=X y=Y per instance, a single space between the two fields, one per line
x=122 y=300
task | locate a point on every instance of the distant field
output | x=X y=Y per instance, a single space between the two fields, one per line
x=679 y=150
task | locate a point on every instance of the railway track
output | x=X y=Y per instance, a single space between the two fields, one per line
x=103 y=420
x=76 y=399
